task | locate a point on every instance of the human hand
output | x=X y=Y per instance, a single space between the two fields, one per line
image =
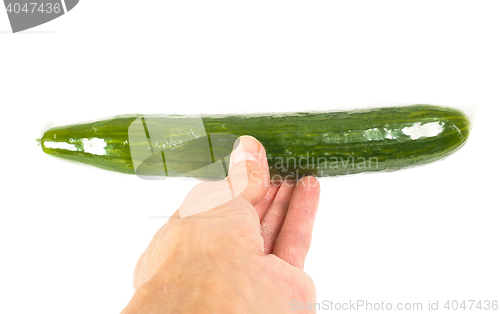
x=239 y=254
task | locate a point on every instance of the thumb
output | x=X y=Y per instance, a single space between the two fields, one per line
x=248 y=170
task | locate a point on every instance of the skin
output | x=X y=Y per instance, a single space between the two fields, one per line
x=242 y=254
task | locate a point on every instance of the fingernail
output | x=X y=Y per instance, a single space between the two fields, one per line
x=245 y=148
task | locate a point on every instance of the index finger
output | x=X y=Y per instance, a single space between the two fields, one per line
x=295 y=236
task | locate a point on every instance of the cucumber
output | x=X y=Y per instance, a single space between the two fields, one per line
x=297 y=144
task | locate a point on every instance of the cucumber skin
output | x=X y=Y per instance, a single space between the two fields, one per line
x=343 y=139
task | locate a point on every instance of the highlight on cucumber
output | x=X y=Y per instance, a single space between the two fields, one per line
x=297 y=144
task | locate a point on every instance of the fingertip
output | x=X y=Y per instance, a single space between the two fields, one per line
x=249 y=170
x=247 y=148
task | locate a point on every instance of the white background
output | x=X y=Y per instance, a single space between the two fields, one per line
x=70 y=235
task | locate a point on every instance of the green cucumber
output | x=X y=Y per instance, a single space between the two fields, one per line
x=297 y=144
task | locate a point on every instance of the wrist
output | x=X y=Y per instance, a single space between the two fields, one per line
x=196 y=283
